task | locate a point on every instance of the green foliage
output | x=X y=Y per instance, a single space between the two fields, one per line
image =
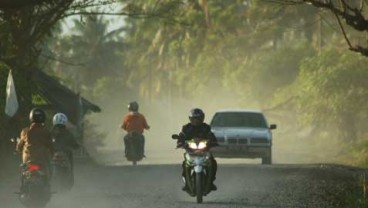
x=252 y=54
x=332 y=91
x=93 y=52
x=330 y=94
x=208 y=53
x=38 y=100
x=265 y=73
x=357 y=154
x=105 y=87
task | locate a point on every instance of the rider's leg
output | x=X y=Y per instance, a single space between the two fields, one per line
x=126 y=144
x=22 y=169
x=214 y=171
x=185 y=187
x=142 y=145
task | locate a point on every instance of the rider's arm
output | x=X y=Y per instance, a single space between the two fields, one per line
x=23 y=136
x=211 y=137
x=72 y=142
x=124 y=124
x=146 y=126
x=213 y=140
x=182 y=136
x=48 y=142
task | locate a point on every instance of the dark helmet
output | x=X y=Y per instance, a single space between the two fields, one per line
x=196 y=114
x=37 y=115
x=133 y=106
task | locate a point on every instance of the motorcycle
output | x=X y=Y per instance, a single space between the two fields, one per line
x=134 y=148
x=197 y=170
x=62 y=175
x=35 y=189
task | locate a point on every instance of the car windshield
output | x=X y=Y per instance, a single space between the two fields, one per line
x=239 y=119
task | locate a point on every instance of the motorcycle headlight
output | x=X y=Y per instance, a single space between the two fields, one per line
x=202 y=145
x=193 y=145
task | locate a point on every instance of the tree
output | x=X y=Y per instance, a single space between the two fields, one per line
x=93 y=49
x=24 y=26
x=331 y=92
x=12 y=4
x=212 y=45
x=354 y=12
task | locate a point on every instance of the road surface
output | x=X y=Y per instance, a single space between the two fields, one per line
x=239 y=185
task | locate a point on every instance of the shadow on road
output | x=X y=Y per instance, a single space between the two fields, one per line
x=230 y=203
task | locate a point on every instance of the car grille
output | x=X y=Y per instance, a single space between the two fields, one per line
x=259 y=141
x=232 y=141
x=243 y=141
x=220 y=139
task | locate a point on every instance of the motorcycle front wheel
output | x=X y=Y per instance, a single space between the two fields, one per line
x=199 y=188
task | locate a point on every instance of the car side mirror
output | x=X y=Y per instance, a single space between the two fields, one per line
x=273 y=126
x=175 y=136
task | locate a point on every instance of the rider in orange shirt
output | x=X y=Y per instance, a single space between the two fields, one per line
x=134 y=124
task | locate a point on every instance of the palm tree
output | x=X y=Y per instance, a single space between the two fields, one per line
x=93 y=49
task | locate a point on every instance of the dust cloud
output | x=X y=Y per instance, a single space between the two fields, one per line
x=291 y=144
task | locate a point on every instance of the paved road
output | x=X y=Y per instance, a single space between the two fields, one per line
x=240 y=185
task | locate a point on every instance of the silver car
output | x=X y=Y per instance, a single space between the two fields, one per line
x=242 y=134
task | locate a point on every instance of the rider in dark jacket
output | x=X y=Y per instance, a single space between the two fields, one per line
x=197 y=128
x=63 y=139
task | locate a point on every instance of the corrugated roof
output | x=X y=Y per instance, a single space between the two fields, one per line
x=61 y=97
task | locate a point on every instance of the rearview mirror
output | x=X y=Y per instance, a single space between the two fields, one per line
x=273 y=126
x=175 y=136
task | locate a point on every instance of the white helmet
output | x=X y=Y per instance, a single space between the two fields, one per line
x=60 y=118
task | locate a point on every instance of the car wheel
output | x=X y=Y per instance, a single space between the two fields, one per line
x=267 y=160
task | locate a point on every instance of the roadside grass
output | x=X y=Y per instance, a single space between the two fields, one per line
x=359 y=198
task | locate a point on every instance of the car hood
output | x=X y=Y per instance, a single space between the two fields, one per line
x=240 y=132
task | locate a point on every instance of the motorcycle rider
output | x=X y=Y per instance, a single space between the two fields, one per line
x=63 y=138
x=134 y=124
x=35 y=141
x=198 y=128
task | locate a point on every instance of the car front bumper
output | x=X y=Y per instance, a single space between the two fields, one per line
x=241 y=151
